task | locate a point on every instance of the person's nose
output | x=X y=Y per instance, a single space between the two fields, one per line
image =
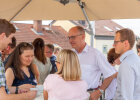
x=30 y=58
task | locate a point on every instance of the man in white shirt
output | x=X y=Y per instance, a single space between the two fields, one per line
x=92 y=63
x=128 y=80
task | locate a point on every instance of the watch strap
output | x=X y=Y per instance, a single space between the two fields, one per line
x=16 y=92
x=102 y=91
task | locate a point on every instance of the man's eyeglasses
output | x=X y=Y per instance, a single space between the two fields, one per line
x=73 y=37
x=116 y=42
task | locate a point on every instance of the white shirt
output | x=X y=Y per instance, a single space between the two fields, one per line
x=111 y=89
x=93 y=63
x=128 y=80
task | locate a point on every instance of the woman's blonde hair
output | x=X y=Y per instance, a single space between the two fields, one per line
x=69 y=65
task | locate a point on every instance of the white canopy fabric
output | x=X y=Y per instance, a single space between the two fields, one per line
x=52 y=10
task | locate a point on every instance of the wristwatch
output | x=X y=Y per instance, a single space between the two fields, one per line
x=16 y=92
x=102 y=91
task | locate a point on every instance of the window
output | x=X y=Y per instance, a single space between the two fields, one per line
x=107 y=28
x=117 y=28
x=105 y=49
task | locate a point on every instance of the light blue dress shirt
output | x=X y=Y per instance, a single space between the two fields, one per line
x=128 y=80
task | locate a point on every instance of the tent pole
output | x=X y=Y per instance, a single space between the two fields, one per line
x=82 y=4
x=20 y=10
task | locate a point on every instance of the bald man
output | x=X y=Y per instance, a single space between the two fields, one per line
x=93 y=63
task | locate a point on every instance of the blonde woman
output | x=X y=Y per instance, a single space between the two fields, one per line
x=66 y=83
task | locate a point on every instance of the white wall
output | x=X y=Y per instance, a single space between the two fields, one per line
x=100 y=43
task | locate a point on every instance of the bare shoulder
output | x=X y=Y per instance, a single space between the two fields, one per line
x=9 y=72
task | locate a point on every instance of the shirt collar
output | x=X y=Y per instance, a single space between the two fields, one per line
x=0 y=53
x=129 y=52
x=84 y=50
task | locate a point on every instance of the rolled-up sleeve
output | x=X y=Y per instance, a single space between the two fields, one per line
x=104 y=66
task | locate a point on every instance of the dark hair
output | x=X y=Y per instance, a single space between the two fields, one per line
x=39 y=47
x=50 y=46
x=127 y=34
x=13 y=44
x=138 y=46
x=14 y=60
x=112 y=56
x=6 y=27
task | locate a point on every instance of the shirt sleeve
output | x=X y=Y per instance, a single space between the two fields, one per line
x=110 y=90
x=50 y=65
x=127 y=81
x=104 y=66
x=2 y=76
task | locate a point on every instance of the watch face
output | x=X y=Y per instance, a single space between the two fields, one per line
x=102 y=91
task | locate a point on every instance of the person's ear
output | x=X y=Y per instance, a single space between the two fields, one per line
x=126 y=43
x=83 y=36
x=3 y=35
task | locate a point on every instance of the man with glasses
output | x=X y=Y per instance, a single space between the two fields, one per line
x=49 y=49
x=6 y=34
x=92 y=63
x=128 y=80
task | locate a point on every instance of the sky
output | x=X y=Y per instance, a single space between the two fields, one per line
x=31 y=22
x=133 y=24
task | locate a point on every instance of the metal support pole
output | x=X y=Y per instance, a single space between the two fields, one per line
x=82 y=4
x=20 y=10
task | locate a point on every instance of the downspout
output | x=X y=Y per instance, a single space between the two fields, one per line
x=82 y=5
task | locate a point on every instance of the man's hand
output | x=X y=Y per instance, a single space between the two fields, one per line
x=95 y=95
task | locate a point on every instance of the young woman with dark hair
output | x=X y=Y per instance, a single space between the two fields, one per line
x=19 y=75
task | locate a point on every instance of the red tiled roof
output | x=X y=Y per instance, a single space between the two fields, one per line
x=59 y=35
x=100 y=30
x=99 y=27
x=25 y=34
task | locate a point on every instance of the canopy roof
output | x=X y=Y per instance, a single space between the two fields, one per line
x=52 y=10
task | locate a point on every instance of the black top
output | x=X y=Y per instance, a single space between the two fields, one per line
x=26 y=80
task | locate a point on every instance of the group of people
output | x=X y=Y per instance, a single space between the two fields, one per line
x=75 y=74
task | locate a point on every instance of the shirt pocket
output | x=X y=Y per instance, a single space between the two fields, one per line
x=88 y=70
